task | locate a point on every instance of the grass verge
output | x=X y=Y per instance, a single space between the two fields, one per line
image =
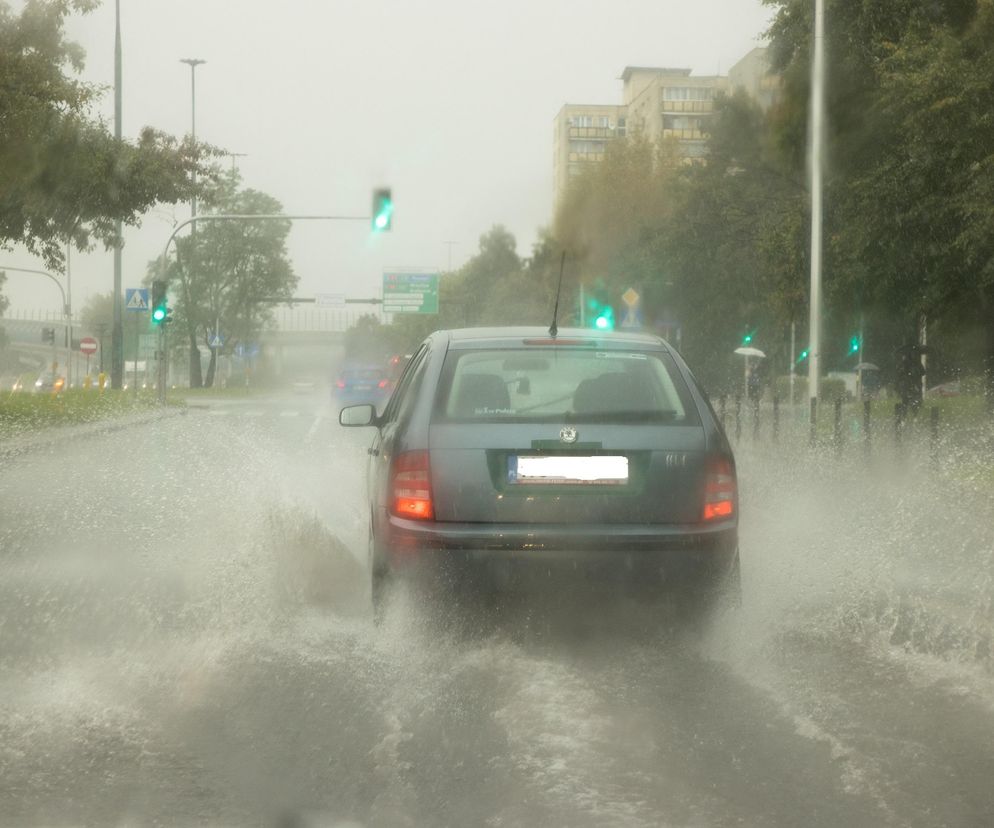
x=22 y=413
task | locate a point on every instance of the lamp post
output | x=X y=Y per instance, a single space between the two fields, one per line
x=193 y=63
x=117 y=332
x=817 y=170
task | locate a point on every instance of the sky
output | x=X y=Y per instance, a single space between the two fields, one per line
x=448 y=102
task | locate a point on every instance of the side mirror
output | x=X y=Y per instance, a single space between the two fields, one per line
x=357 y=415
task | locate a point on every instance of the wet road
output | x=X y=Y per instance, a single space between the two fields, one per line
x=185 y=639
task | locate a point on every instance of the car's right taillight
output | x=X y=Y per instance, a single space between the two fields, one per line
x=340 y=383
x=410 y=486
x=719 y=489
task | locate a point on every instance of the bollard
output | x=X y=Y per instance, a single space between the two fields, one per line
x=933 y=434
x=837 y=427
x=738 y=418
x=866 y=423
x=776 y=418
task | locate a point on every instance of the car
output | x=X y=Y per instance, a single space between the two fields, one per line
x=363 y=384
x=947 y=389
x=49 y=382
x=304 y=385
x=506 y=451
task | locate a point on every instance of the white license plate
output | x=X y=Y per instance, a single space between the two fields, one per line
x=599 y=470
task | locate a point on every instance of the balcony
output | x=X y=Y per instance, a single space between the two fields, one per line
x=687 y=106
x=595 y=133
x=685 y=134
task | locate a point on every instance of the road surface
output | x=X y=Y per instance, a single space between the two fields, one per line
x=185 y=639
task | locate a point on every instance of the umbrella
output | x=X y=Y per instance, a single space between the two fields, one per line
x=867 y=366
x=750 y=352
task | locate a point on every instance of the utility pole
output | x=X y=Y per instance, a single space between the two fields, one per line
x=817 y=169
x=117 y=332
x=193 y=63
x=449 y=245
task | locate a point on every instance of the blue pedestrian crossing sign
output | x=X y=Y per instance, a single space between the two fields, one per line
x=136 y=299
x=216 y=341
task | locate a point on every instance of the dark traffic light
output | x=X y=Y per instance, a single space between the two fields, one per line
x=382 y=210
x=159 y=309
x=48 y=335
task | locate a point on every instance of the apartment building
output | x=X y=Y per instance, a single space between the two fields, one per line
x=659 y=103
x=580 y=134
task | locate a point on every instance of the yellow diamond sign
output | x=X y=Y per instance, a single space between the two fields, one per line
x=630 y=297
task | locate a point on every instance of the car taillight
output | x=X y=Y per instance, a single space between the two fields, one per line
x=384 y=383
x=410 y=486
x=340 y=383
x=719 y=489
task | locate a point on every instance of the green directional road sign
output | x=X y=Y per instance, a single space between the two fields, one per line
x=410 y=293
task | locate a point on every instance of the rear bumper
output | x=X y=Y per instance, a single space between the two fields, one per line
x=695 y=552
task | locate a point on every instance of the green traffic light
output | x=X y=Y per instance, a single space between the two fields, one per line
x=382 y=210
x=803 y=356
x=158 y=314
x=854 y=345
x=602 y=323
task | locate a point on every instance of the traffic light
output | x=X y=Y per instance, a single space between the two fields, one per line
x=48 y=335
x=747 y=337
x=601 y=313
x=382 y=210
x=803 y=356
x=854 y=345
x=159 y=309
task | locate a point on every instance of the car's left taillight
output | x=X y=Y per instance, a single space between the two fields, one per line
x=410 y=486
x=720 y=489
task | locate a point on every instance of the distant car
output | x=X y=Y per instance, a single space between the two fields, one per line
x=947 y=389
x=49 y=383
x=509 y=450
x=364 y=384
x=304 y=385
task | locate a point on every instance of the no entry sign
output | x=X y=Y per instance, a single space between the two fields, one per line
x=88 y=345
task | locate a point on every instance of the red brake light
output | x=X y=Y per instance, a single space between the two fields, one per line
x=340 y=383
x=719 y=489
x=410 y=486
x=384 y=383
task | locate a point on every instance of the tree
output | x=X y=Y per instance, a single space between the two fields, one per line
x=63 y=177
x=226 y=274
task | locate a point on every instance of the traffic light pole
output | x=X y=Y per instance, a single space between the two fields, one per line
x=192 y=221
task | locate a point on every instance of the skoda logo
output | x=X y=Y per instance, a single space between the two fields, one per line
x=568 y=434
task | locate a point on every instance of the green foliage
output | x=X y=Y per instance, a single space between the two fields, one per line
x=26 y=412
x=63 y=177
x=831 y=390
x=224 y=270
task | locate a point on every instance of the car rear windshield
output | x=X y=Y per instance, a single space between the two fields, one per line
x=363 y=374
x=574 y=384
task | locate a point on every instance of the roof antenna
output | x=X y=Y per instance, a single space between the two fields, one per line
x=554 y=327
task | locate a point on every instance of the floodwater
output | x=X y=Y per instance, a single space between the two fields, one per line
x=185 y=639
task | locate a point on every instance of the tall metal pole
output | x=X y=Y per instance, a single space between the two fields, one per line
x=69 y=376
x=793 y=347
x=817 y=169
x=117 y=333
x=193 y=63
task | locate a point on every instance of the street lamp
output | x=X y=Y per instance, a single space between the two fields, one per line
x=193 y=63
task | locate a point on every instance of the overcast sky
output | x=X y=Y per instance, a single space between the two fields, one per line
x=449 y=102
